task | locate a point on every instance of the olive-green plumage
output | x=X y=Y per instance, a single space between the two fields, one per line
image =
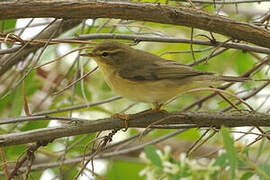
x=145 y=77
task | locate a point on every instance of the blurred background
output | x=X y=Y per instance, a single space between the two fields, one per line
x=52 y=72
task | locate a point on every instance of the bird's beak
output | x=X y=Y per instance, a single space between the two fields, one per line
x=88 y=54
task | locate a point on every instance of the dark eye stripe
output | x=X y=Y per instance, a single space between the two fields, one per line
x=139 y=78
x=107 y=52
x=104 y=54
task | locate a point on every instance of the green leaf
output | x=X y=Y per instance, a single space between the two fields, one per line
x=263 y=170
x=260 y=149
x=221 y=160
x=191 y=134
x=78 y=90
x=266 y=168
x=244 y=62
x=34 y=125
x=4 y=103
x=8 y=24
x=151 y=153
x=31 y=86
x=231 y=151
x=124 y=170
x=173 y=177
x=245 y=151
x=17 y=102
x=31 y=83
x=186 y=171
x=247 y=175
x=11 y=152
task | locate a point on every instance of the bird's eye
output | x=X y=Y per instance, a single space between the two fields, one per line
x=105 y=54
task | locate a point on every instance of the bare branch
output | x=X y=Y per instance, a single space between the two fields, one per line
x=181 y=119
x=226 y=2
x=244 y=47
x=180 y=15
x=12 y=59
x=77 y=106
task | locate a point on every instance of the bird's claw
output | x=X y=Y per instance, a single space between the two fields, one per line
x=124 y=117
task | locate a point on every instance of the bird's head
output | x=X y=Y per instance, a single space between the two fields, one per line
x=110 y=53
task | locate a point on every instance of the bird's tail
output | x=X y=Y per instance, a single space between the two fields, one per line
x=233 y=79
x=219 y=79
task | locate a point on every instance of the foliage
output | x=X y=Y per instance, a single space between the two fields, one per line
x=219 y=152
x=227 y=165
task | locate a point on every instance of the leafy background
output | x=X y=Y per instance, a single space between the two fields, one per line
x=221 y=155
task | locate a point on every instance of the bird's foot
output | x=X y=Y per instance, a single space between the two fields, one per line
x=124 y=117
x=157 y=108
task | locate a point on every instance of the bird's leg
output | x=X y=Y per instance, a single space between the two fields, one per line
x=124 y=117
x=157 y=108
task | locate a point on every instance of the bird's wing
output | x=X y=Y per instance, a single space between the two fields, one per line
x=158 y=70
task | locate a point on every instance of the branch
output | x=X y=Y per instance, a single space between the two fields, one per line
x=225 y=2
x=175 y=119
x=70 y=108
x=20 y=55
x=244 y=47
x=107 y=154
x=241 y=46
x=137 y=11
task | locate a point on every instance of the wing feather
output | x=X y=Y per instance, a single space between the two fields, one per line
x=159 y=70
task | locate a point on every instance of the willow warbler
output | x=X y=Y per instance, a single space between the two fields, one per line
x=144 y=77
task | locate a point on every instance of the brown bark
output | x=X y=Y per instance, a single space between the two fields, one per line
x=137 y=11
x=12 y=59
x=184 y=119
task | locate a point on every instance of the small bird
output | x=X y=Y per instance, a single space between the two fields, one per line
x=144 y=77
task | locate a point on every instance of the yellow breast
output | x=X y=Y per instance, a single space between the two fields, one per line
x=155 y=92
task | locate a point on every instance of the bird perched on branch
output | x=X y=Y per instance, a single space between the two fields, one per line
x=144 y=77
